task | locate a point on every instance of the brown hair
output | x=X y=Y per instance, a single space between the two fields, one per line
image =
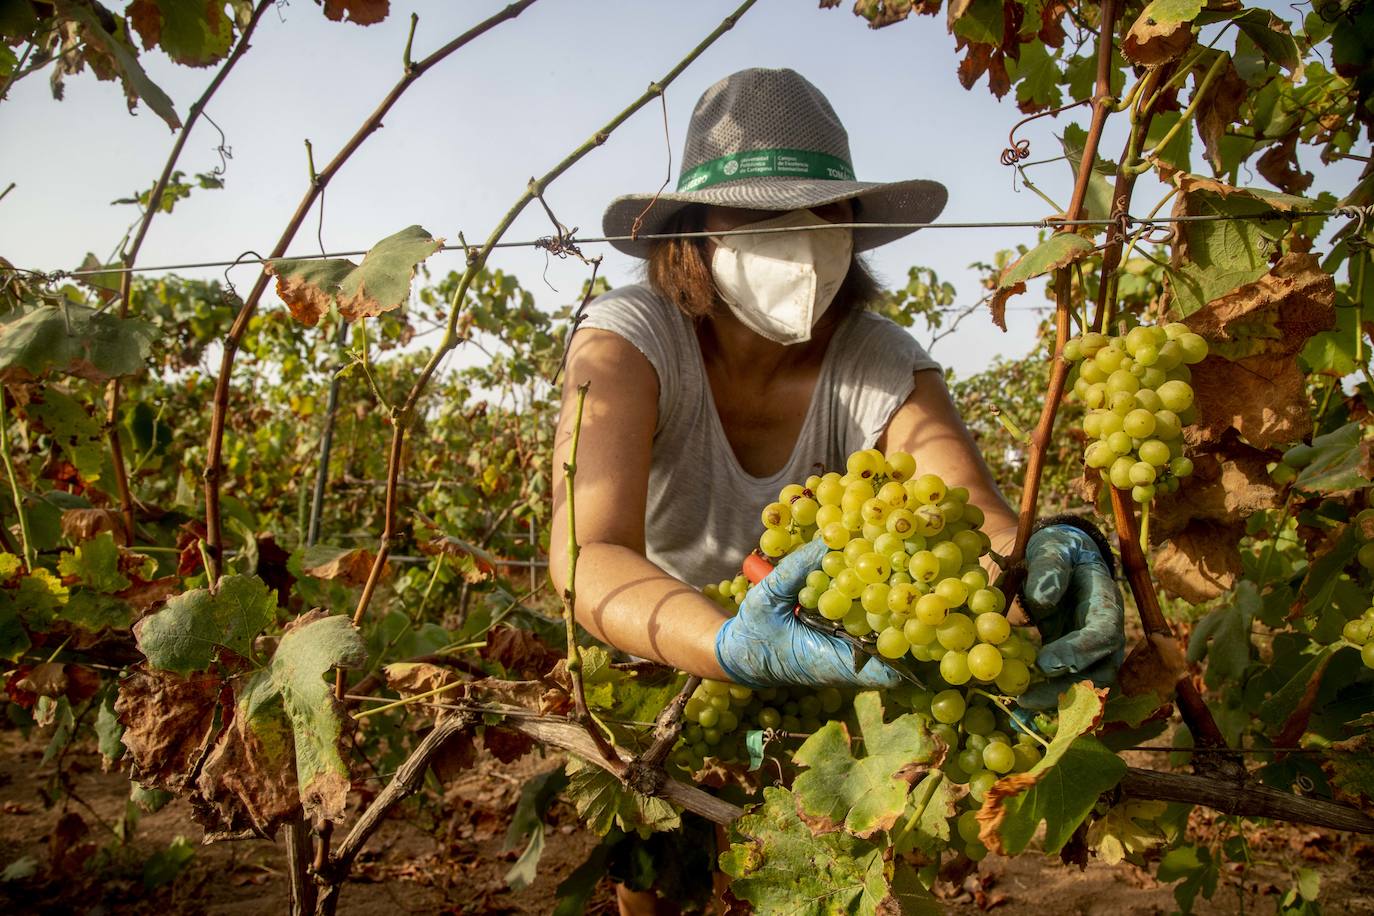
x=679 y=270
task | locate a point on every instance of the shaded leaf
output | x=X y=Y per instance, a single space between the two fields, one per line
x=108 y=732
x=381 y=283
x=84 y=524
x=1059 y=250
x=71 y=340
x=1197 y=869
x=1338 y=459
x=1153 y=666
x=778 y=866
x=131 y=73
x=1061 y=789
x=519 y=652
x=1219 y=108
x=603 y=802
x=1350 y=767
x=188 y=632
x=527 y=824
x=1127 y=831
x=164 y=865
x=1223 y=636
x=864 y=794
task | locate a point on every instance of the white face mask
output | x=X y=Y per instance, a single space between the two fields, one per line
x=779 y=284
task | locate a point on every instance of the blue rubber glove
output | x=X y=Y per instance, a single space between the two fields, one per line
x=1072 y=596
x=765 y=645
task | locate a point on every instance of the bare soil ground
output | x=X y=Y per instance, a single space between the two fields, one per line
x=449 y=858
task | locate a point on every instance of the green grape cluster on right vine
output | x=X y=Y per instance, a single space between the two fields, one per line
x=1136 y=388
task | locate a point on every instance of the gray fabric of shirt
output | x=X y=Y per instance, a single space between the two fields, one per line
x=702 y=515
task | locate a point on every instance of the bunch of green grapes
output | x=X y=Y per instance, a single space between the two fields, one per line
x=1136 y=388
x=728 y=593
x=1357 y=632
x=720 y=714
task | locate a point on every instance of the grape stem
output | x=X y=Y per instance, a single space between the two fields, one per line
x=594 y=726
x=7 y=453
x=1002 y=704
x=920 y=808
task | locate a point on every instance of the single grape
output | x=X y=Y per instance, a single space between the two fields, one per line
x=894 y=494
x=1142 y=473
x=954 y=591
x=769 y=717
x=892 y=643
x=918 y=633
x=1356 y=631
x=849 y=583
x=954 y=668
x=1154 y=452
x=968 y=826
x=924 y=566
x=947 y=706
x=955 y=633
x=864 y=464
x=834 y=604
x=874 y=598
x=1181 y=467
x=1014 y=677
x=1367 y=654
x=975 y=579
x=831 y=699
x=804 y=510
x=992 y=627
x=808 y=597
x=1176 y=395
x=835 y=535
x=873 y=567
x=1194 y=348
x=999 y=758
x=818 y=579
x=708 y=717
x=1139 y=423
x=776 y=515
x=900 y=466
x=833 y=563
x=856 y=548
x=979 y=720
x=929 y=488
x=985 y=662
x=978 y=785
x=931 y=609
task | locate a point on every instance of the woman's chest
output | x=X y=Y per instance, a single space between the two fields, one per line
x=763 y=419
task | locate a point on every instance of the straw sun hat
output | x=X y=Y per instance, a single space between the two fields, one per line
x=768 y=140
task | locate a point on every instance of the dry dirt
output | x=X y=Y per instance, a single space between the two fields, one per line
x=449 y=859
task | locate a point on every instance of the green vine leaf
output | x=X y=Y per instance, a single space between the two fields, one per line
x=864 y=794
x=380 y=284
x=1338 y=462
x=1223 y=636
x=284 y=745
x=71 y=340
x=187 y=634
x=778 y=866
x=95 y=564
x=1059 y=250
x=1197 y=868
x=603 y=802
x=1061 y=789
x=193 y=34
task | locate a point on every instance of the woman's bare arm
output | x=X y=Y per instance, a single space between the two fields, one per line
x=929 y=427
x=622 y=598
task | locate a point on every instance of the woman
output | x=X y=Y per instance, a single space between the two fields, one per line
x=744 y=362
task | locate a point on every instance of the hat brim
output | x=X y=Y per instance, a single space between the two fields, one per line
x=915 y=201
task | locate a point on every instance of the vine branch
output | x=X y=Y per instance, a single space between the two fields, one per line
x=214 y=461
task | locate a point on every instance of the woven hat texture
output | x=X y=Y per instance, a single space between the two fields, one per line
x=762 y=109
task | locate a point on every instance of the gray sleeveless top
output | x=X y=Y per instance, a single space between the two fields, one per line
x=703 y=508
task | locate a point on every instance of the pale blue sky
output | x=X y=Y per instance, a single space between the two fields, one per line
x=458 y=148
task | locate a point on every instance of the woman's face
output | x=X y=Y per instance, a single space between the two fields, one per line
x=723 y=219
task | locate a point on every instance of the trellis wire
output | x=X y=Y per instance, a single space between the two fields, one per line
x=1357 y=213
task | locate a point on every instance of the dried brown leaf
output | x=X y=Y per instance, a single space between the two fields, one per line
x=168 y=723
x=456 y=757
x=1279 y=166
x=998 y=304
x=350 y=566
x=1201 y=562
x=307 y=302
x=1154 y=665
x=247 y=781
x=519 y=651
x=413 y=678
x=47 y=679
x=83 y=524
x=360 y=12
x=993 y=812
x=1229 y=483
x=1219 y=109
x=505 y=745
x=1150 y=43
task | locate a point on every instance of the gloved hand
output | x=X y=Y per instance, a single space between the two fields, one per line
x=765 y=645
x=1072 y=596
